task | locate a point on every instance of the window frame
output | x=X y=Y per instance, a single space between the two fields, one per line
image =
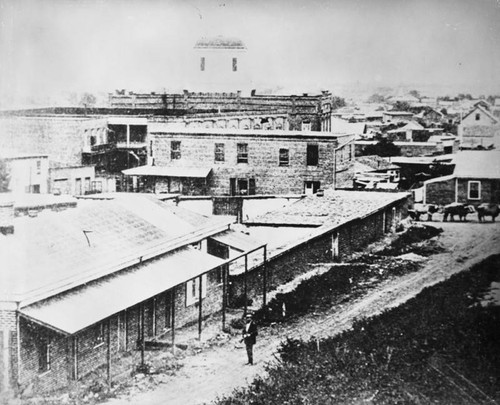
x=284 y=157
x=44 y=355
x=312 y=154
x=235 y=64
x=219 y=152
x=193 y=290
x=175 y=150
x=98 y=335
x=469 y=183
x=202 y=64
x=242 y=155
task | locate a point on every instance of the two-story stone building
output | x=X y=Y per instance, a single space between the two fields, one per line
x=241 y=162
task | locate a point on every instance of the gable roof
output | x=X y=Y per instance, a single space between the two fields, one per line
x=410 y=126
x=58 y=251
x=484 y=111
x=477 y=164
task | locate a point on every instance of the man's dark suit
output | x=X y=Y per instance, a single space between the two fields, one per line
x=249 y=336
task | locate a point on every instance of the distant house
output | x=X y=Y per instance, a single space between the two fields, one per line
x=479 y=129
x=408 y=130
x=28 y=172
x=397 y=116
x=101 y=280
x=475 y=180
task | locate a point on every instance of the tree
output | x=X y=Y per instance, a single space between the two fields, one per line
x=4 y=176
x=376 y=98
x=401 y=106
x=415 y=94
x=88 y=100
x=384 y=148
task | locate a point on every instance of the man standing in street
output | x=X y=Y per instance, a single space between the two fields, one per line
x=249 y=336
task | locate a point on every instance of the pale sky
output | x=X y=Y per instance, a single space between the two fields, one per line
x=47 y=46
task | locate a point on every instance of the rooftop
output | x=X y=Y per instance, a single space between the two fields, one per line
x=160 y=128
x=219 y=42
x=333 y=209
x=58 y=251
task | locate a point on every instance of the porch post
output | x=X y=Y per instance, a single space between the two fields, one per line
x=224 y=293
x=108 y=352
x=200 y=307
x=172 y=305
x=245 y=280
x=264 y=278
x=143 y=343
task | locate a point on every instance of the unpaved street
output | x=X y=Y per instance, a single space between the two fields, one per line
x=218 y=370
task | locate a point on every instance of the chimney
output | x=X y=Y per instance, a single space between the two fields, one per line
x=6 y=217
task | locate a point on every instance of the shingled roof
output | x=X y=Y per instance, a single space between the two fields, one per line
x=58 y=251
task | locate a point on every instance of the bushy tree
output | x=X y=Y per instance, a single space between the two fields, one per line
x=376 y=98
x=383 y=147
x=4 y=176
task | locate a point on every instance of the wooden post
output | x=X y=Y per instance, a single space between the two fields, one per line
x=245 y=281
x=224 y=293
x=200 y=299
x=172 y=305
x=143 y=343
x=74 y=350
x=108 y=352
x=264 y=278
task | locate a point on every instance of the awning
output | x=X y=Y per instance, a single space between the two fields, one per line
x=237 y=240
x=168 y=171
x=99 y=300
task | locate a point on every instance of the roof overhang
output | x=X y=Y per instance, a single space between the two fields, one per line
x=83 y=307
x=169 y=171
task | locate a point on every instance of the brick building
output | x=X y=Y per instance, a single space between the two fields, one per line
x=240 y=162
x=332 y=226
x=479 y=128
x=101 y=280
x=475 y=180
x=27 y=172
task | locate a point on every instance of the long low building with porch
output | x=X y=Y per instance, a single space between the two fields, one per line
x=84 y=287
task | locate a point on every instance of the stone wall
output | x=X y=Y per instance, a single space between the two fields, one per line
x=263 y=160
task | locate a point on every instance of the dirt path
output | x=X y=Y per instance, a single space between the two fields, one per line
x=219 y=370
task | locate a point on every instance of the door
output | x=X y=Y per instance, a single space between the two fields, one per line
x=232 y=186
x=78 y=186
x=335 y=246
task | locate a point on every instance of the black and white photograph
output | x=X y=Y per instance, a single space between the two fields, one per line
x=235 y=202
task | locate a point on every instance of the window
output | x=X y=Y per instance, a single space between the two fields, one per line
x=306 y=125
x=242 y=150
x=202 y=64
x=44 y=354
x=235 y=64
x=193 y=290
x=151 y=148
x=474 y=190
x=98 y=334
x=312 y=155
x=311 y=187
x=478 y=117
x=283 y=161
x=241 y=186
x=175 y=150
x=38 y=167
x=219 y=152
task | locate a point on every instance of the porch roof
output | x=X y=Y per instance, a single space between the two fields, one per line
x=238 y=240
x=78 y=309
x=169 y=171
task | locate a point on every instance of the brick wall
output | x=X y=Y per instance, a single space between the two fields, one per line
x=490 y=191
x=352 y=236
x=59 y=137
x=90 y=346
x=8 y=350
x=263 y=158
x=440 y=192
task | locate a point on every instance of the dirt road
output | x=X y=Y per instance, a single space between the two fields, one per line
x=219 y=370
